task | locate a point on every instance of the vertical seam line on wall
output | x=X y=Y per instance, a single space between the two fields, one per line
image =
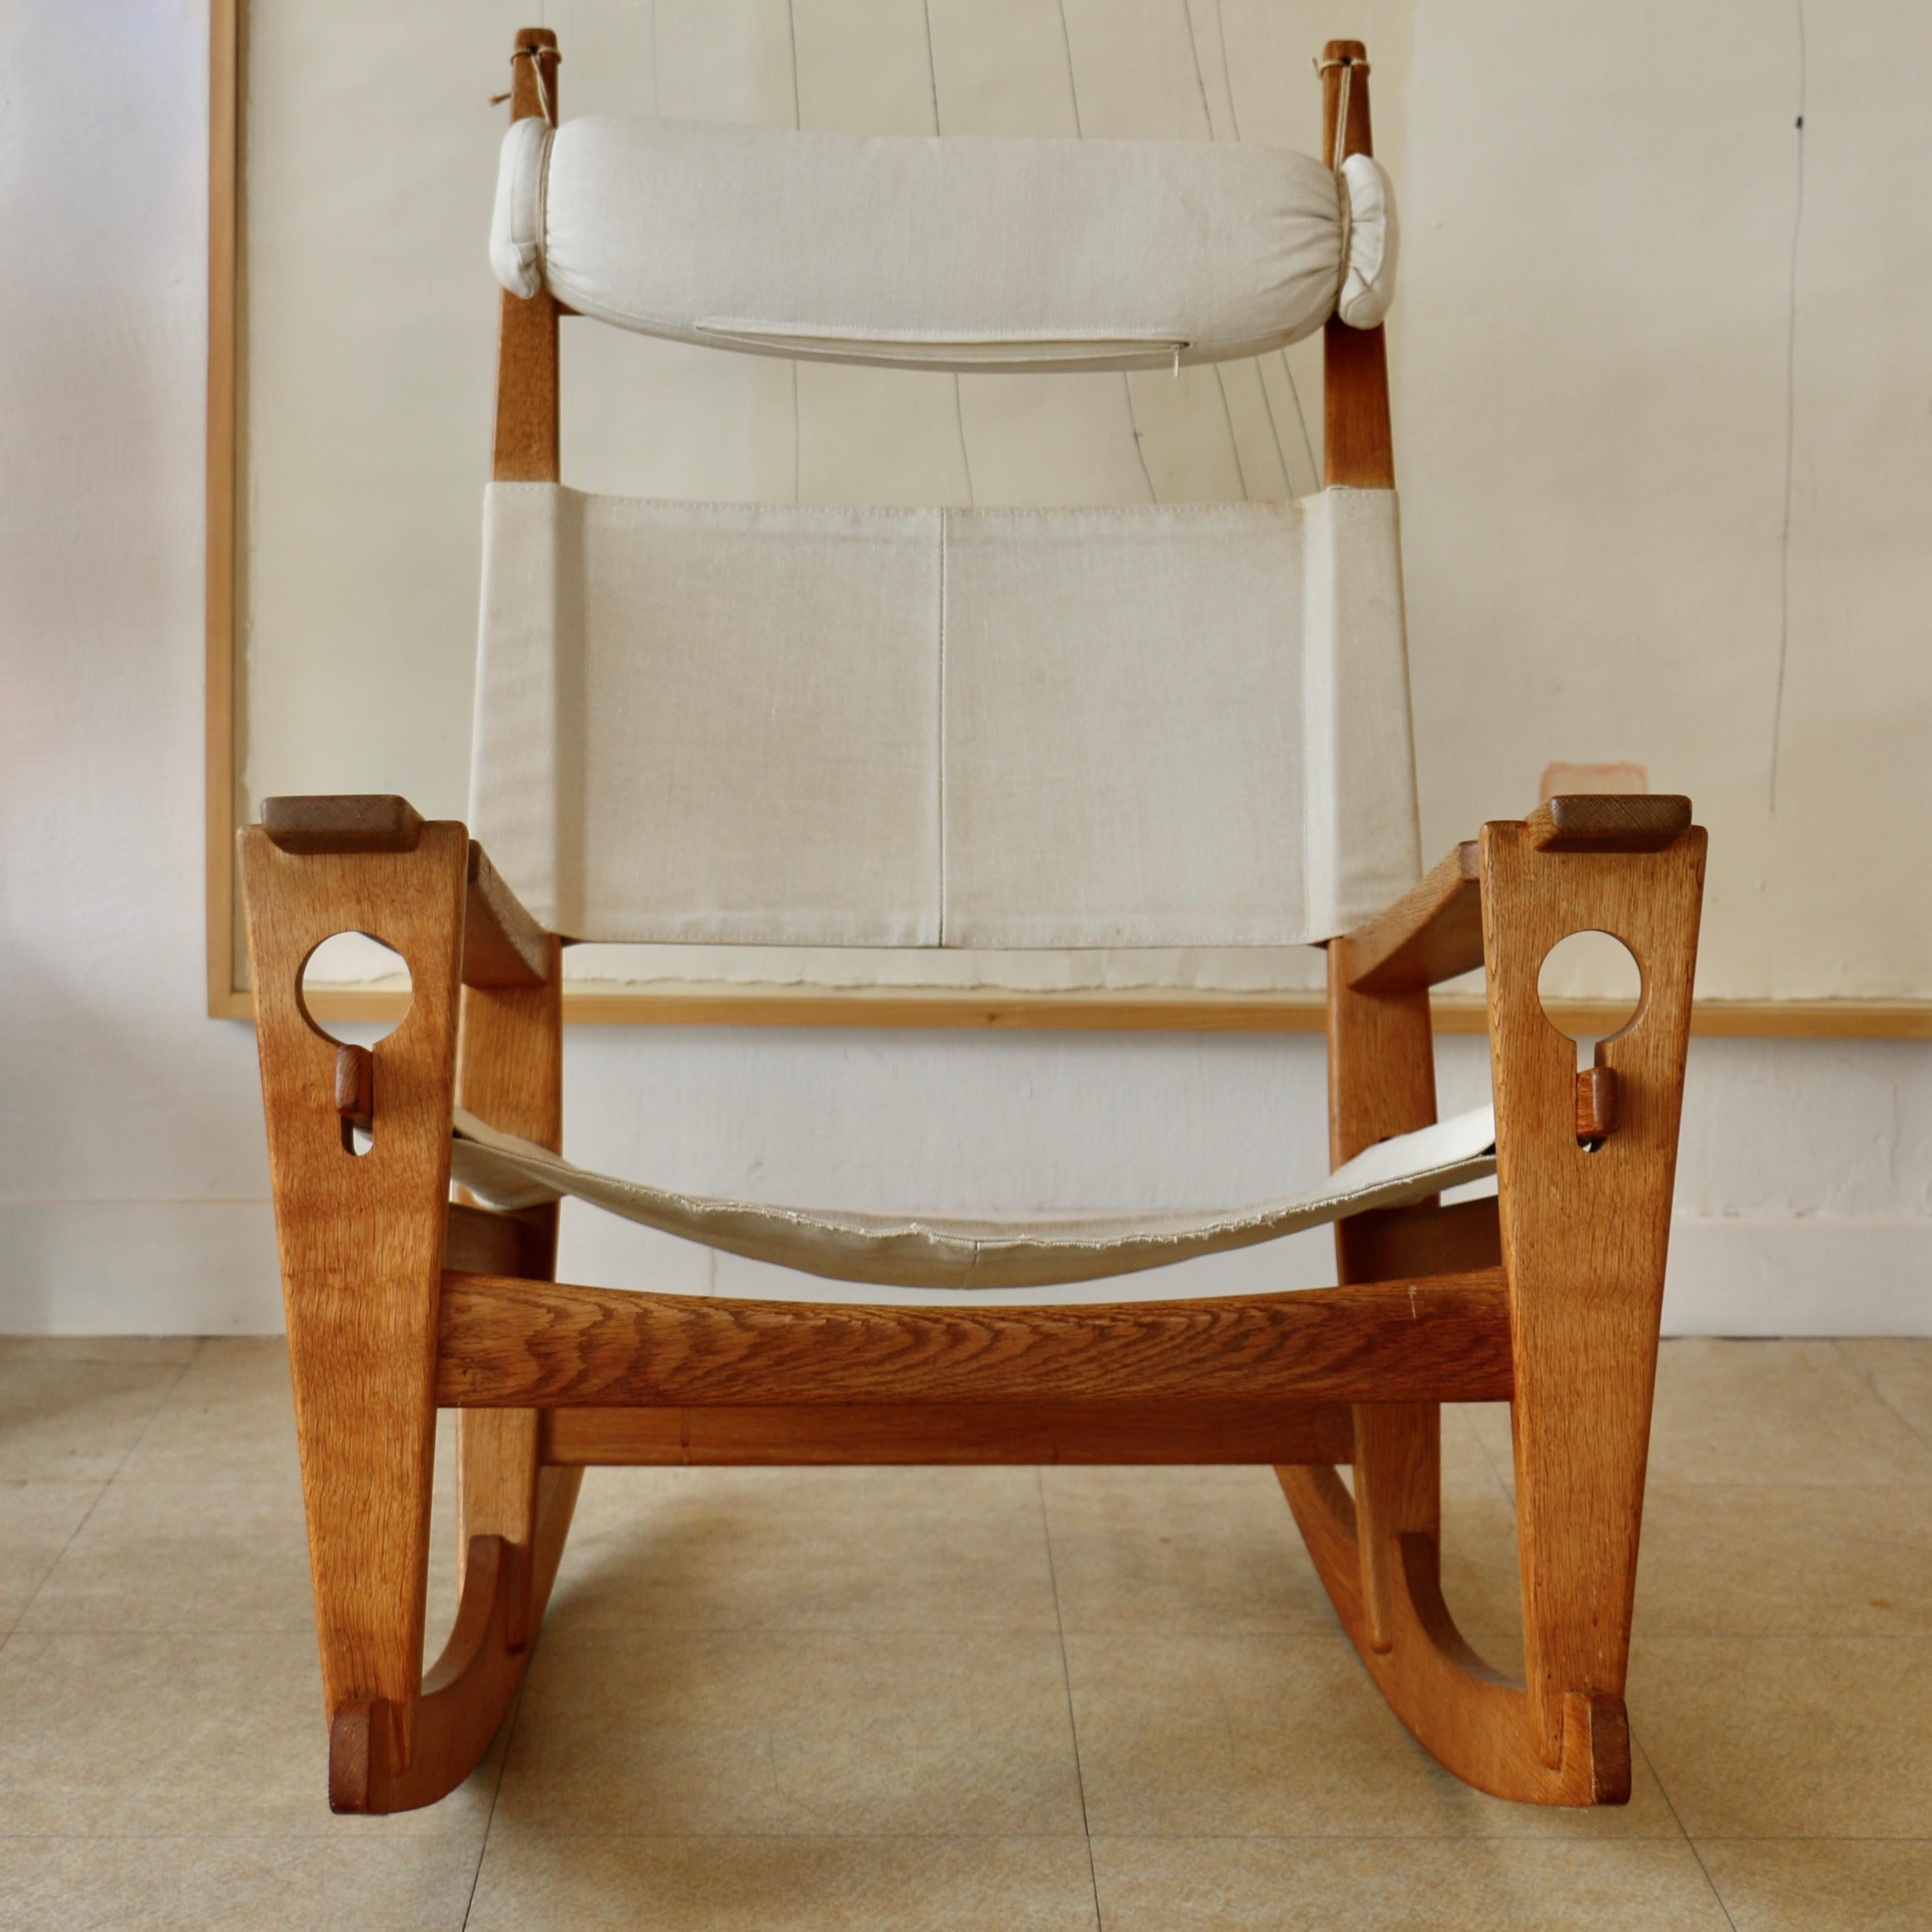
x=959 y=404
x=1234 y=121
x=797 y=122
x=943 y=518
x=1227 y=409
x=1126 y=382
x=1790 y=430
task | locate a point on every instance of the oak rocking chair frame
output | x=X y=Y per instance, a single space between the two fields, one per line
x=1548 y=1296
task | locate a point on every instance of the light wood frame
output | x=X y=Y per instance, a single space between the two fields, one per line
x=1547 y=1296
x=709 y=1003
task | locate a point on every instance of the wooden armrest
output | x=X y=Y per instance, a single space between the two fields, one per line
x=1434 y=931
x=343 y=822
x=1431 y=933
x=1610 y=822
x=503 y=945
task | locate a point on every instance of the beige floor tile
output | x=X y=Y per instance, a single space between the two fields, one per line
x=1173 y=1552
x=673 y=1732
x=1466 y=1456
x=1789 y=1737
x=1775 y=1412
x=1487 y=1424
x=908 y=1550
x=1798 y=1412
x=1180 y=1549
x=1479 y=1582
x=232 y=1415
x=187 y=1557
x=37 y=1521
x=1200 y=1885
x=1816 y=1559
x=1768 y=1886
x=179 y=1349
x=68 y=1420
x=1900 y=1370
x=1280 y=1735
x=217 y=1885
x=214 y=1736
x=532 y=1883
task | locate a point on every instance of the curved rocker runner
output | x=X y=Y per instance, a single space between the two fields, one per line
x=1274 y=634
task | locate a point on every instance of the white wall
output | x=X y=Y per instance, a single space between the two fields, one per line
x=132 y=1178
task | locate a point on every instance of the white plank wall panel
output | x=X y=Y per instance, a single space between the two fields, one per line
x=133 y=1185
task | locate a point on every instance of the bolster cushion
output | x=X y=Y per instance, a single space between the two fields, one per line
x=948 y=254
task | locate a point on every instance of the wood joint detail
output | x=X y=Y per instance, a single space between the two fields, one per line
x=355 y=1087
x=1596 y=1104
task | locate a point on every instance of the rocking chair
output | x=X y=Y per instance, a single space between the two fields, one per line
x=1155 y=727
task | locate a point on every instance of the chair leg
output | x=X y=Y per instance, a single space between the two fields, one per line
x=509 y=1071
x=1585 y=1232
x=512 y=1514
x=1583 y=1237
x=361 y=1240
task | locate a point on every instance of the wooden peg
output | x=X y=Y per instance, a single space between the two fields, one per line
x=355 y=1086
x=1596 y=1103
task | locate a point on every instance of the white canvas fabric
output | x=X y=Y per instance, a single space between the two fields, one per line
x=958 y=253
x=1168 y=726
x=1368 y=287
x=953 y=1252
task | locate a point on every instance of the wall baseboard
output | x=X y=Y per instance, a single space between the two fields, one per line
x=207 y=1268
x=139 y=1268
x=1809 y=1275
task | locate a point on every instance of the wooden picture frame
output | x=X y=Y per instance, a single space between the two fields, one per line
x=735 y=1003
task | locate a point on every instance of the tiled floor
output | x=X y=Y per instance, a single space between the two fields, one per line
x=1073 y=1698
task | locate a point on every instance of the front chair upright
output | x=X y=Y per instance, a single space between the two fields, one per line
x=1159 y=727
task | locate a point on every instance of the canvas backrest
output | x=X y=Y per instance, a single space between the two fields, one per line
x=1174 y=725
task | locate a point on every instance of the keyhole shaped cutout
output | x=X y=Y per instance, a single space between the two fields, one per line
x=360 y=987
x=1598 y=969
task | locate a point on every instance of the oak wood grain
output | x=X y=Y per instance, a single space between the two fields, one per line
x=1388 y=1243
x=1382 y=1081
x=1358 y=449
x=503 y=944
x=467 y=1692
x=1432 y=933
x=1467 y=1716
x=1610 y=822
x=511 y=1343
x=1596 y=1103
x=355 y=1086
x=486 y=1241
x=342 y=822
x=1584 y=1235
x=361 y=1240
x=526 y=443
x=509 y=1071
x=974 y=1433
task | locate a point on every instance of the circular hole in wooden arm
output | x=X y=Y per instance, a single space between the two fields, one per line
x=361 y=988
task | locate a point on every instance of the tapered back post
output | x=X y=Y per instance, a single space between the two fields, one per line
x=526 y=447
x=1358 y=452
